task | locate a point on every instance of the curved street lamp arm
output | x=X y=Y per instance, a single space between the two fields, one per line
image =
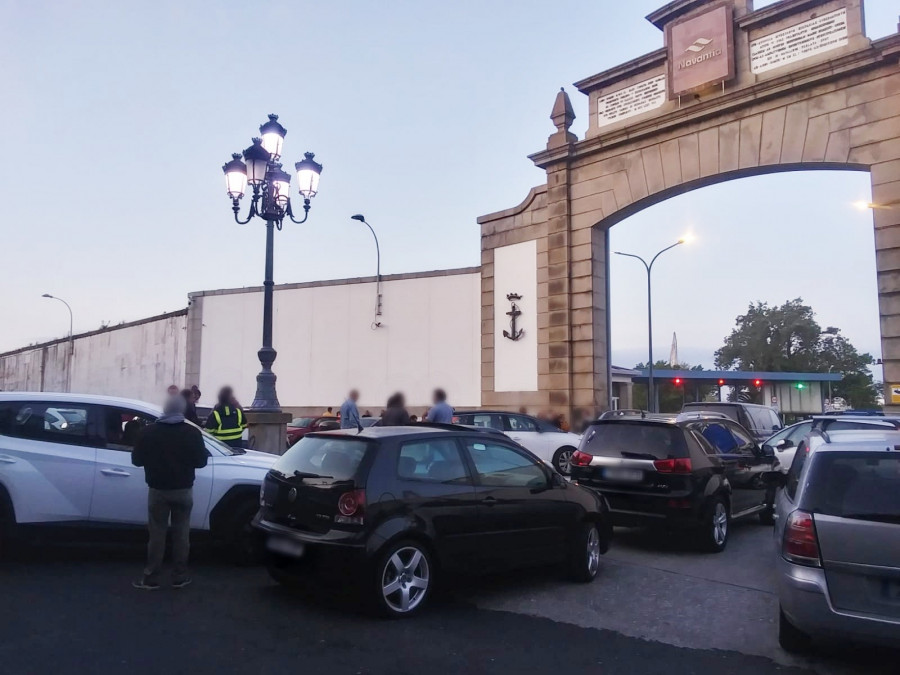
x=236 y=207
x=290 y=212
x=632 y=255
x=667 y=248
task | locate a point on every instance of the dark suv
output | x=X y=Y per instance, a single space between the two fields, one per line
x=697 y=473
x=392 y=507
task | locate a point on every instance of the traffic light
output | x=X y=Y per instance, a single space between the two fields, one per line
x=800 y=385
x=757 y=383
x=677 y=381
x=721 y=382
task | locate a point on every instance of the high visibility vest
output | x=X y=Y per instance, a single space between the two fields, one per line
x=228 y=433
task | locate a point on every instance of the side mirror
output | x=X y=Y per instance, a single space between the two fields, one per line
x=768 y=451
x=556 y=480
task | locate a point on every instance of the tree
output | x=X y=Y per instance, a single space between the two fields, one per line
x=787 y=338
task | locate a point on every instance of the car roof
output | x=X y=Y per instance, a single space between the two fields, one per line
x=871 y=441
x=724 y=404
x=387 y=432
x=60 y=397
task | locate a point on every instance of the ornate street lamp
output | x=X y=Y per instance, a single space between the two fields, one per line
x=261 y=170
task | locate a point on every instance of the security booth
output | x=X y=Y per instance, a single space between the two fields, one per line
x=792 y=394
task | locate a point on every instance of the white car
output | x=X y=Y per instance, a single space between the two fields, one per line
x=549 y=443
x=81 y=472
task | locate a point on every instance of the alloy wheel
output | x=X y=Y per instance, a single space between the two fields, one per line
x=593 y=551
x=405 y=579
x=720 y=524
x=564 y=461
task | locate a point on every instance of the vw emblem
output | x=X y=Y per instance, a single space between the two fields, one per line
x=292 y=495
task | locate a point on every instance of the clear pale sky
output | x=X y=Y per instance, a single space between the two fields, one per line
x=118 y=117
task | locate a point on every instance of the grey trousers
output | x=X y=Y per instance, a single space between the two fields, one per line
x=161 y=506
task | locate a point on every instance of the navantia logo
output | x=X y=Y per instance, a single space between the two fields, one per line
x=699 y=45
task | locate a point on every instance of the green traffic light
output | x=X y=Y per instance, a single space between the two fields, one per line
x=800 y=385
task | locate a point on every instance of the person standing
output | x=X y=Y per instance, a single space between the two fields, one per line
x=395 y=415
x=172 y=390
x=329 y=412
x=190 y=411
x=169 y=450
x=349 y=412
x=226 y=421
x=441 y=412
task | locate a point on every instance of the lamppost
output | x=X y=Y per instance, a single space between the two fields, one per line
x=361 y=218
x=71 y=340
x=271 y=202
x=651 y=400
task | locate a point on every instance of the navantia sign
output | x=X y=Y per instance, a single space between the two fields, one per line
x=701 y=50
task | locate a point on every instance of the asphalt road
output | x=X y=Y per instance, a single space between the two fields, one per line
x=657 y=608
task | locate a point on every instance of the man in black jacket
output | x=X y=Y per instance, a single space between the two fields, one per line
x=169 y=450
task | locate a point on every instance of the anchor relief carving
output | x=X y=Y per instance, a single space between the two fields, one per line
x=514 y=313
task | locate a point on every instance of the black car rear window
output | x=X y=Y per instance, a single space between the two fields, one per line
x=860 y=485
x=333 y=457
x=634 y=440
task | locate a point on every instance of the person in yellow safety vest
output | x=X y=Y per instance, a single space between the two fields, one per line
x=226 y=421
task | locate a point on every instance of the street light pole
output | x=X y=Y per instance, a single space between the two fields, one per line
x=71 y=339
x=270 y=202
x=651 y=400
x=361 y=218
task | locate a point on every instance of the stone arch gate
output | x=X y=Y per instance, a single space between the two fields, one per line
x=734 y=92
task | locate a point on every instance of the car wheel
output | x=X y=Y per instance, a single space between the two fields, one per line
x=404 y=579
x=715 y=526
x=562 y=460
x=584 y=565
x=791 y=638
x=243 y=540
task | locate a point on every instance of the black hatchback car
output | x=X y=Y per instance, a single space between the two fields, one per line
x=698 y=473
x=394 y=507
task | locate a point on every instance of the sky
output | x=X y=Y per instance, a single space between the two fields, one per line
x=119 y=116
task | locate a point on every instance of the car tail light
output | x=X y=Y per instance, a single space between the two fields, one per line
x=680 y=465
x=351 y=507
x=580 y=458
x=800 y=544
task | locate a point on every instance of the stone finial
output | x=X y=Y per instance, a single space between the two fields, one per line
x=562 y=115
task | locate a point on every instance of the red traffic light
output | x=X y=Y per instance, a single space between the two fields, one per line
x=721 y=382
x=677 y=381
x=757 y=383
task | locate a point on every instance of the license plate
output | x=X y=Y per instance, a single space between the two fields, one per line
x=625 y=475
x=288 y=547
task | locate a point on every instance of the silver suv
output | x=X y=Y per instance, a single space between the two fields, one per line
x=838 y=539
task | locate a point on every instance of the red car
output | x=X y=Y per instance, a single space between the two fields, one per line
x=300 y=426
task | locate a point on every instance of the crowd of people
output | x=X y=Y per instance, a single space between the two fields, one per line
x=395 y=412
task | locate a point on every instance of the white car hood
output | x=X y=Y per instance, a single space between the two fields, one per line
x=254 y=458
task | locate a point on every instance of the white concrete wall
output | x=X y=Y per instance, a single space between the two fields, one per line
x=516 y=362
x=431 y=337
x=135 y=361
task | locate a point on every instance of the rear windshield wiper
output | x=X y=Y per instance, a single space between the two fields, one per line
x=638 y=455
x=306 y=474
x=880 y=517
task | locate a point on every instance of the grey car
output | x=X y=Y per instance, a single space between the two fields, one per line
x=837 y=536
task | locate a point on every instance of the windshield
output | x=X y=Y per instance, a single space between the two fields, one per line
x=634 y=440
x=301 y=421
x=332 y=457
x=860 y=485
x=212 y=441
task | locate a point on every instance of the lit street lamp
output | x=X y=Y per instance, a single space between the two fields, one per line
x=261 y=169
x=71 y=339
x=361 y=218
x=651 y=400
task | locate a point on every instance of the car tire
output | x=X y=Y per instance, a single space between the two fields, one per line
x=562 y=459
x=403 y=579
x=715 y=525
x=584 y=561
x=791 y=638
x=244 y=542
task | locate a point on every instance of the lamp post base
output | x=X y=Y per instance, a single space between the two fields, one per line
x=266 y=399
x=268 y=431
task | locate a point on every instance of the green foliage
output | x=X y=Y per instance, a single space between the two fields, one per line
x=787 y=338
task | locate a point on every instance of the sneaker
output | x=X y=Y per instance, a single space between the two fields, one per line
x=145 y=584
x=181 y=583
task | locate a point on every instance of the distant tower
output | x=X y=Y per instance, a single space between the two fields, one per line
x=673 y=353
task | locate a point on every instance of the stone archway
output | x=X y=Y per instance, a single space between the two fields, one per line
x=795 y=85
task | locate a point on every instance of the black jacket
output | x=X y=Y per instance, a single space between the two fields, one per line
x=169 y=454
x=395 y=417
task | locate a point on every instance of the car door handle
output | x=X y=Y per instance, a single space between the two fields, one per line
x=6 y=459
x=489 y=501
x=115 y=472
